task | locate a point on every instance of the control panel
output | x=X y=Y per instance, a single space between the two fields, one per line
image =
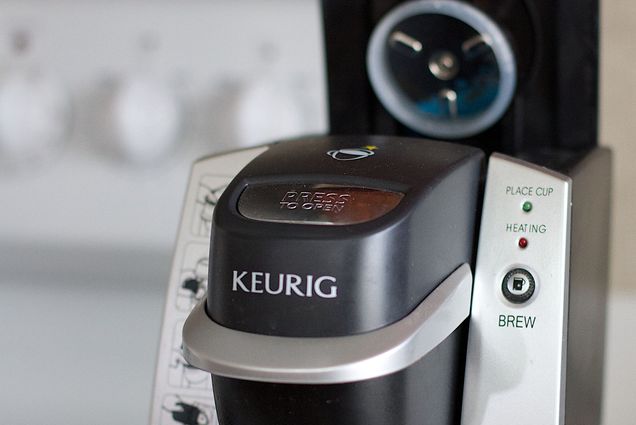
x=517 y=342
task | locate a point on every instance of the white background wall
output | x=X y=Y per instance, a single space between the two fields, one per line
x=618 y=97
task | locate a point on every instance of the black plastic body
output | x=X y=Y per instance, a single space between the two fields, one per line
x=556 y=47
x=425 y=393
x=382 y=268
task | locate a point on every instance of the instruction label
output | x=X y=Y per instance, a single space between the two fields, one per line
x=526 y=228
x=530 y=191
x=182 y=393
x=517 y=321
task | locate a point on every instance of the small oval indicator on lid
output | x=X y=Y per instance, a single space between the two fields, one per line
x=319 y=204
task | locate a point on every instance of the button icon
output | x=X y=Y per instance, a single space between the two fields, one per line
x=518 y=285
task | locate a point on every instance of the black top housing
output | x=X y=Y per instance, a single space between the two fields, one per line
x=290 y=278
x=556 y=48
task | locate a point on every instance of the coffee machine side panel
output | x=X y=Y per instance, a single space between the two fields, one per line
x=591 y=200
x=515 y=367
x=178 y=386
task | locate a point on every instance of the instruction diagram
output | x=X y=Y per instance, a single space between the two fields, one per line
x=177 y=409
x=209 y=191
x=193 y=277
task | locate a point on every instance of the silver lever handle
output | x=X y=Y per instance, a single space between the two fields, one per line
x=330 y=360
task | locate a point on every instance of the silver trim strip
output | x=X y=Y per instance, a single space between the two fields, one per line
x=530 y=166
x=241 y=355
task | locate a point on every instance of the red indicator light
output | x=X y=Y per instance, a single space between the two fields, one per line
x=523 y=242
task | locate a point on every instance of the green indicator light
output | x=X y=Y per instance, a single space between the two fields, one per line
x=527 y=206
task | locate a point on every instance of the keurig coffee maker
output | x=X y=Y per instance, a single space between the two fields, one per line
x=339 y=283
x=440 y=258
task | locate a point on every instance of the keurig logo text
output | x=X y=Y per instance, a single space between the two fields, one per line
x=352 y=154
x=284 y=284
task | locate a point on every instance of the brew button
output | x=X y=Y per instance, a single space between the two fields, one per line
x=518 y=285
